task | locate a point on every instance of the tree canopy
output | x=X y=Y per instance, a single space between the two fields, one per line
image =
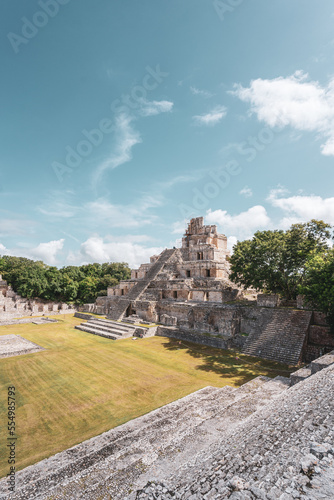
x=80 y=284
x=275 y=261
x=318 y=283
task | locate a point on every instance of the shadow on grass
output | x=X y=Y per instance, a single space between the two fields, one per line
x=228 y=364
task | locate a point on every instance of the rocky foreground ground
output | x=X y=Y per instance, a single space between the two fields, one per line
x=263 y=440
x=284 y=451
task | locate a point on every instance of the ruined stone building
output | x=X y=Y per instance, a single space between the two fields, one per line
x=187 y=291
x=13 y=305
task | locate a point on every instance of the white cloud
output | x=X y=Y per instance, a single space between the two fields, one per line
x=241 y=225
x=58 y=203
x=126 y=139
x=203 y=93
x=97 y=249
x=47 y=252
x=194 y=176
x=303 y=208
x=15 y=226
x=293 y=101
x=212 y=118
x=151 y=108
x=102 y=212
x=231 y=241
x=246 y=192
x=179 y=226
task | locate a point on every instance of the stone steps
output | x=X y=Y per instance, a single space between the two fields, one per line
x=113 y=327
x=96 y=331
x=119 y=305
x=284 y=451
x=108 y=322
x=316 y=366
x=123 y=453
x=110 y=329
x=299 y=375
x=228 y=415
x=319 y=364
x=281 y=337
x=103 y=328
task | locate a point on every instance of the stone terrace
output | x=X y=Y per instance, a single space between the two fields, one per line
x=283 y=451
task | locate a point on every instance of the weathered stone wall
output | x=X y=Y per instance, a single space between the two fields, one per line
x=191 y=337
x=321 y=335
x=315 y=351
x=210 y=340
x=13 y=305
x=268 y=300
x=203 y=317
x=147 y=310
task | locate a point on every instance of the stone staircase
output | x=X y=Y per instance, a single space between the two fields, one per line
x=281 y=337
x=122 y=458
x=316 y=366
x=119 y=305
x=110 y=329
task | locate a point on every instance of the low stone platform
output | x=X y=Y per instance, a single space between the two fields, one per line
x=110 y=329
x=15 y=345
x=36 y=320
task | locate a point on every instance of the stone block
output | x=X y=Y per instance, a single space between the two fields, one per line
x=323 y=362
x=268 y=300
x=215 y=296
x=300 y=375
x=198 y=295
x=167 y=320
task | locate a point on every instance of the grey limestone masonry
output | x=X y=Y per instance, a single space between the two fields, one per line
x=14 y=306
x=284 y=451
x=15 y=345
x=266 y=300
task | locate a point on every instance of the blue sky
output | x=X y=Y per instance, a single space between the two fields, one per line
x=120 y=120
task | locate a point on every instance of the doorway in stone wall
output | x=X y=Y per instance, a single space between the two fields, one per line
x=129 y=311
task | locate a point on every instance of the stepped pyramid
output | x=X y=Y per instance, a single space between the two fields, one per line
x=196 y=273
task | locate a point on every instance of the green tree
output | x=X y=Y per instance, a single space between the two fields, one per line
x=274 y=261
x=118 y=270
x=34 y=279
x=87 y=290
x=318 y=284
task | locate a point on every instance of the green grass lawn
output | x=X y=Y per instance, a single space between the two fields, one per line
x=83 y=385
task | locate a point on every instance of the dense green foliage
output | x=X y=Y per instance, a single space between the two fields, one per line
x=275 y=261
x=318 y=284
x=80 y=284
